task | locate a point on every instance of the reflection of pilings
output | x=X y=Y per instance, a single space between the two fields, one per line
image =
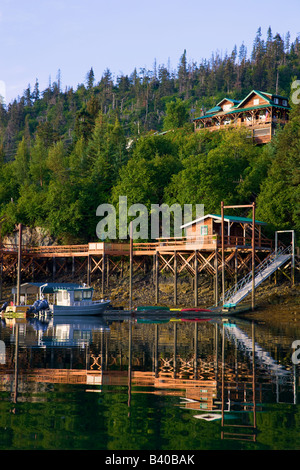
x=253 y=375
x=129 y=362
x=196 y=350
x=223 y=373
x=16 y=364
x=156 y=351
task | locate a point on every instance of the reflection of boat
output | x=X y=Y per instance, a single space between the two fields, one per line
x=69 y=331
x=78 y=301
x=81 y=322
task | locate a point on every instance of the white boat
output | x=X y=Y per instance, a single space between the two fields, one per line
x=67 y=299
x=77 y=301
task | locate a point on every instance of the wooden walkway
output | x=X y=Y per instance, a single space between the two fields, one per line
x=99 y=260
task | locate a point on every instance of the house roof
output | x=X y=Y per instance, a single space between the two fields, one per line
x=238 y=105
x=214 y=110
x=227 y=218
x=235 y=102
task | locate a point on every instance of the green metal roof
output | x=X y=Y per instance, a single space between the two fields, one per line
x=216 y=109
x=227 y=218
x=233 y=218
x=240 y=110
x=47 y=287
x=229 y=99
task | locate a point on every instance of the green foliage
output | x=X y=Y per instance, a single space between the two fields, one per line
x=62 y=154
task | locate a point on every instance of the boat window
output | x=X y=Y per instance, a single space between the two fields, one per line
x=66 y=295
x=77 y=295
x=87 y=294
x=59 y=296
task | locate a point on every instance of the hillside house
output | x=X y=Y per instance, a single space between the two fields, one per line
x=260 y=112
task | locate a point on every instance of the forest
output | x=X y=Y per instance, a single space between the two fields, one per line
x=65 y=152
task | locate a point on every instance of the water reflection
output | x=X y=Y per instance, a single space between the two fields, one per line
x=224 y=371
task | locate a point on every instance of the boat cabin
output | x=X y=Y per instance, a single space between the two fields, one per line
x=76 y=296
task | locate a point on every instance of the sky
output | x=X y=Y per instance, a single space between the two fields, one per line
x=40 y=37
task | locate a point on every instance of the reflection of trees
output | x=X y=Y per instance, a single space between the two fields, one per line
x=175 y=365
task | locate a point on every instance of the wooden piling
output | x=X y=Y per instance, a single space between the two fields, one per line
x=130 y=264
x=196 y=278
x=19 y=264
x=88 y=274
x=223 y=255
x=156 y=278
x=103 y=273
x=216 y=278
x=175 y=278
x=253 y=258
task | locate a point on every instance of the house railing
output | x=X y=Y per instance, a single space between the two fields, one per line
x=191 y=242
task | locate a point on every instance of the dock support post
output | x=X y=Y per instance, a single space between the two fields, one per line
x=196 y=278
x=235 y=267
x=156 y=278
x=216 y=278
x=19 y=264
x=107 y=272
x=130 y=264
x=223 y=256
x=293 y=259
x=103 y=273
x=73 y=267
x=53 y=268
x=88 y=277
x=175 y=278
x=253 y=257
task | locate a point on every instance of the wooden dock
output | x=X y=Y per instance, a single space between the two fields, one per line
x=99 y=260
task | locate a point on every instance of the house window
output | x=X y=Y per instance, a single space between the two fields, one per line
x=227 y=107
x=284 y=102
x=256 y=101
x=276 y=100
x=204 y=230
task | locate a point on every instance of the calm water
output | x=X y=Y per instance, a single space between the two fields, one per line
x=131 y=384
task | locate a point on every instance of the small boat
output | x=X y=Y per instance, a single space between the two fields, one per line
x=77 y=301
x=143 y=308
x=195 y=310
